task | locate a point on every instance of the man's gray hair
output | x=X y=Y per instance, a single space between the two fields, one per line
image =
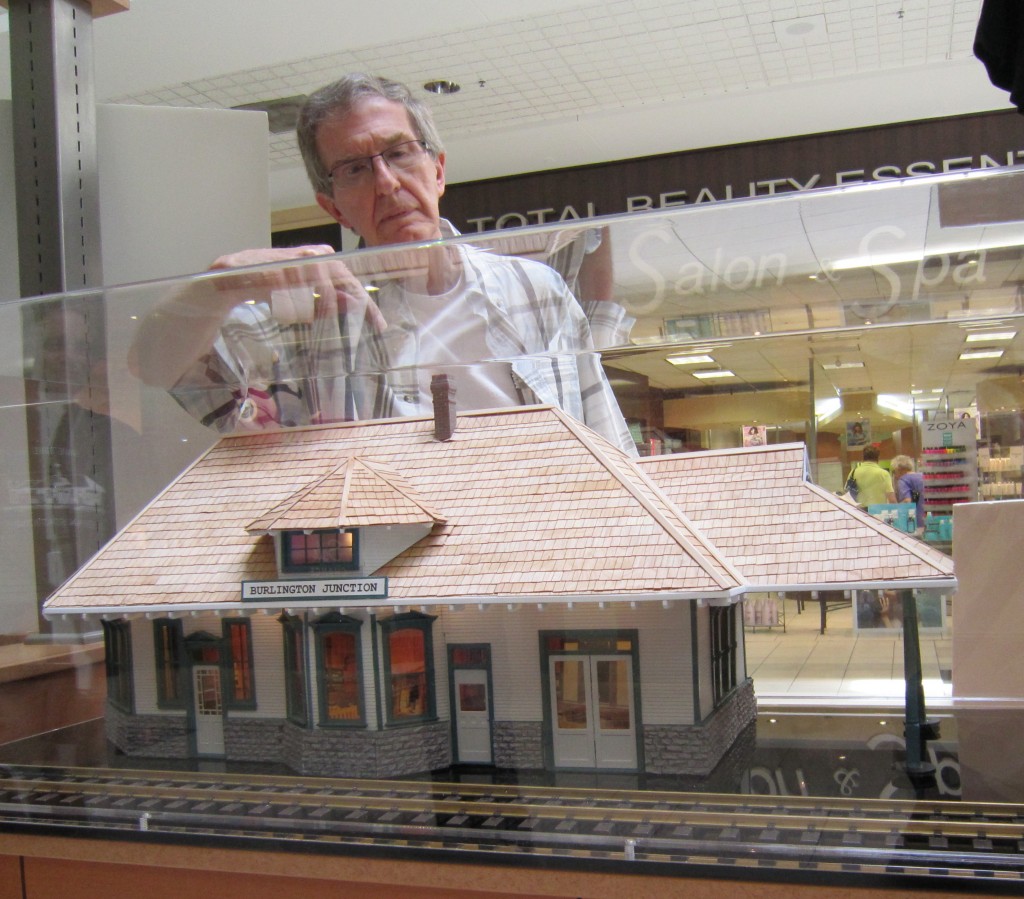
x=338 y=99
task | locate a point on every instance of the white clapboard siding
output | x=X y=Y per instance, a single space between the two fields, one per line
x=664 y=648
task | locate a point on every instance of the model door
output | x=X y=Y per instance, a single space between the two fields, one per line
x=593 y=719
x=472 y=716
x=209 y=710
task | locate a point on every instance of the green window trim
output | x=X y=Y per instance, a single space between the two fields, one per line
x=296 y=680
x=723 y=651
x=168 y=649
x=327 y=548
x=409 y=691
x=117 y=637
x=240 y=671
x=339 y=671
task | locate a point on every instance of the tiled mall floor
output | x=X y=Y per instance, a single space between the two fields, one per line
x=842 y=668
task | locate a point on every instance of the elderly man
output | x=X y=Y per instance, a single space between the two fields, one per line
x=296 y=344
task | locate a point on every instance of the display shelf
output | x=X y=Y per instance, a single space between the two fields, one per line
x=1000 y=476
x=950 y=477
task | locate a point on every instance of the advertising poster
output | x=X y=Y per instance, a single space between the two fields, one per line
x=755 y=435
x=858 y=433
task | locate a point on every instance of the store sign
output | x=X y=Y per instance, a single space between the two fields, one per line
x=769 y=187
x=757 y=169
x=316 y=589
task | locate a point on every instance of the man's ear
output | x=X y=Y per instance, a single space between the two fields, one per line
x=328 y=205
x=439 y=165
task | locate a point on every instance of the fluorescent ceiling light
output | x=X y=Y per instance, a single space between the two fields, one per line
x=835 y=366
x=827 y=409
x=981 y=354
x=688 y=360
x=721 y=373
x=881 y=259
x=895 y=404
x=982 y=336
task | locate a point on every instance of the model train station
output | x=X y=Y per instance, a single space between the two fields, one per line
x=498 y=588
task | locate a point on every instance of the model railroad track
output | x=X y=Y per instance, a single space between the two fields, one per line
x=950 y=841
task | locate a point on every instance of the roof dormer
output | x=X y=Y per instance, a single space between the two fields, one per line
x=352 y=520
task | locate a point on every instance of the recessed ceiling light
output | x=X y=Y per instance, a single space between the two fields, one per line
x=801 y=31
x=982 y=336
x=720 y=373
x=442 y=86
x=688 y=360
x=981 y=354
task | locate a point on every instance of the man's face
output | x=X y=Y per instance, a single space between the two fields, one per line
x=392 y=206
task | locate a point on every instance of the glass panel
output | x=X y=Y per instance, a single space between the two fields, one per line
x=341 y=676
x=208 y=696
x=407 y=649
x=570 y=695
x=470 y=656
x=614 y=694
x=821 y=319
x=241 y=661
x=472 y=698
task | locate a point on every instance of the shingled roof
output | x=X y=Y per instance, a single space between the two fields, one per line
x=520 y=505
x=784 y=532
x=358 y=493
x=526 y=505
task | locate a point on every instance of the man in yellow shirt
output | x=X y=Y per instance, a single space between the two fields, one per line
x=872 y=483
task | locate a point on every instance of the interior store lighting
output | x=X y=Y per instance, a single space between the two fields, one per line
x=827 y=409
x=442 y=86
x=895 y=404
x=980 y=354
x=707 y=375
x=885 y=259
x=688 y=360
x=984 y=336
x=837 y=365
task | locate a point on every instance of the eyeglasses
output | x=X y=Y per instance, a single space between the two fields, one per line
x=359 y=171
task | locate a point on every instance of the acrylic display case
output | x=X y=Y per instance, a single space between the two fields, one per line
x=287 y=572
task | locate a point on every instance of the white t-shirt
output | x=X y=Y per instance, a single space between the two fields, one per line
x=448 y=334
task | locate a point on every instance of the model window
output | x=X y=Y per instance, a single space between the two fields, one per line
x=241 y=687
x=409 y=667
x=723 y=650
x=339 y=666
x=295 y=670
x=117 y=636
x=168 y=649
x=332 y=550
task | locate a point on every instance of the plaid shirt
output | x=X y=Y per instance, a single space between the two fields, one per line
x=261 y=374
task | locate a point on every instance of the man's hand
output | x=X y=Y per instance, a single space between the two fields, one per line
x=297 y=293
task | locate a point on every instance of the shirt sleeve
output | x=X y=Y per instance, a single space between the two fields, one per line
x=610 y=324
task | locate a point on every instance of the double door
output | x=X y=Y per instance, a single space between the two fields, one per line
x=593 y=711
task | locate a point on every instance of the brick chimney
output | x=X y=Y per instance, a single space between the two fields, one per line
x=443 y=392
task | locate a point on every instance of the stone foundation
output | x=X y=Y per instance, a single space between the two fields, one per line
x=669 y=749
x=518 y=744
x=697 y=749
x=362 y=753
x=147 y=736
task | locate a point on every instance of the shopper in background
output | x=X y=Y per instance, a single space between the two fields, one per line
x=909 y=485
x=872 y=483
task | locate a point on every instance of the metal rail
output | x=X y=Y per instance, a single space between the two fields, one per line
x=951 y=842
